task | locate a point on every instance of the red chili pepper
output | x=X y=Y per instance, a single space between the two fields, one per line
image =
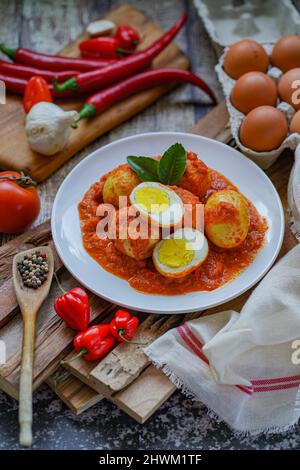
x=128 y=37
x=123 y=326
x=93 y=344
x=24 y=71
x=124 y=68
x=53 y=62
x=73 y=307
x=18 y=85
x=37 y=90
x=105 y=98
x=104 y=47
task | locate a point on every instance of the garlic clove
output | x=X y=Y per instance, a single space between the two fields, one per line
x=100 y=27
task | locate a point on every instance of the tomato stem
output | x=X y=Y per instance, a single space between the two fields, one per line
x=22 y=180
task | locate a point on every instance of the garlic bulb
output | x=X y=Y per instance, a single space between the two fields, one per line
x=48 y=127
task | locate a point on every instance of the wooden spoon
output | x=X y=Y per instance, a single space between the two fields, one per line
x=29 y=301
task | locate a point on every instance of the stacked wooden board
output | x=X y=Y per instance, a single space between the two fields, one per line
x=125 y=376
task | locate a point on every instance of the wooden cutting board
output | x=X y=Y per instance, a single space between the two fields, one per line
x=15 y=153
x=133 y=384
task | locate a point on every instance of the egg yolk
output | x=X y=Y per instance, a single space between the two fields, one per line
x=175 y=253
x=152 y=200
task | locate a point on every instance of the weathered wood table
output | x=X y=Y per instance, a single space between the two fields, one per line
x=180 y=424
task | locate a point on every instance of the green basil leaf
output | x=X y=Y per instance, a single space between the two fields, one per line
x=144 y=167
x=172 y=165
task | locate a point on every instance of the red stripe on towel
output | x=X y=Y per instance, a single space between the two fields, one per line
x=292 y=378
x=196 y=347
x=259 y=385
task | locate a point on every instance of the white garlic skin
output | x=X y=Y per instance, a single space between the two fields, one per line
x=48 y=127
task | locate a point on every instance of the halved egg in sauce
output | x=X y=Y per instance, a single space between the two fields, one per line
x=181 y=253
x=226 y=218
x=158 y=202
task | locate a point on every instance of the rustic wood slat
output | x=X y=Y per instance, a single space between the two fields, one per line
x=145 y=395
x=37 y=236
x=126 y=362
x=15 y=152
x=74 y=393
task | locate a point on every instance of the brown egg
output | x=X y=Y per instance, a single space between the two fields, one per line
x=245 y=56
x=286 y=53
x=263 y=129
x=253 y=89
x=286 y=91
x=295 y=123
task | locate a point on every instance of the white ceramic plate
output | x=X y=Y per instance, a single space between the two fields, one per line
x=247 y=176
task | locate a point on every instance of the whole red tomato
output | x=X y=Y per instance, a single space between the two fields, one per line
x=19 y=202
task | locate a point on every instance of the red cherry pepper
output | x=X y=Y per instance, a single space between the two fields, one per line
x=124 y=326
x=73 y=307
x=128 y=37
x=37 y=90
x=94 y=343
x=103 y=47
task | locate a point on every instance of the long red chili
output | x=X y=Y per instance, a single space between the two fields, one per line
x=124 y=68
x=149 y=79
x=53 y=62
x=24 y=71
x=17 y=85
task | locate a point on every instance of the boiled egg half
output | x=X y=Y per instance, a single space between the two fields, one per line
x=181 y=253
x=158 y=202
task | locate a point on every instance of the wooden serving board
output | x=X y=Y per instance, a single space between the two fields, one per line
x=125 y=376
x=15 y=153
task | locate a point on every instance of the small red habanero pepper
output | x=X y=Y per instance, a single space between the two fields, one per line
x=93 y=344
x=103 y=47
x=73 y=307
x=37 y=90
x=123 y=326
x=128 y=37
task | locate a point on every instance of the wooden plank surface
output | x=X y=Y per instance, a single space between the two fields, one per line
x=74 y=393
x=15 y=152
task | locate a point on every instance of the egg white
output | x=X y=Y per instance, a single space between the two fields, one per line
x=172 y=214
x=198 y=243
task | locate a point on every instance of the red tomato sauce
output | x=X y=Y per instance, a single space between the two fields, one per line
x=220 y=266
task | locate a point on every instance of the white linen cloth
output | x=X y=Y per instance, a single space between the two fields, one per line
x=245 y=367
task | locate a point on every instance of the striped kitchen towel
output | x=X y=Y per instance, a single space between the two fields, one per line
x=245 y=367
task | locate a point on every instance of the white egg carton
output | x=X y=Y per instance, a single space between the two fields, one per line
x=264 y=21
x=263 y=159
